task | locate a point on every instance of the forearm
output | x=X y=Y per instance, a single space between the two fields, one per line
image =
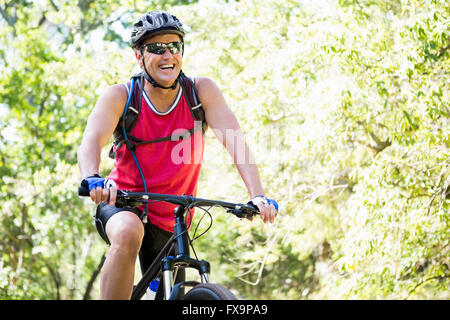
x=250 y=175
x=88 y=158
x=245 y=163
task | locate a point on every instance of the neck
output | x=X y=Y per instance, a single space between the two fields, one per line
x=161 y=92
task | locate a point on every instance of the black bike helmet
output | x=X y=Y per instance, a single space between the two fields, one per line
x=154 y=23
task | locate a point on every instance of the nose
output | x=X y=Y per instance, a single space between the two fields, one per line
x=167 y=53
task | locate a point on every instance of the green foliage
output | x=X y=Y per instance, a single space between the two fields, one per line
x=344 y=103
x=347 y=109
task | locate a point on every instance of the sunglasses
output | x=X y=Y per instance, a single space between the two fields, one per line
x=160 y=47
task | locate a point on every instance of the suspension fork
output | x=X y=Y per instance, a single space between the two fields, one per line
x=181 y=258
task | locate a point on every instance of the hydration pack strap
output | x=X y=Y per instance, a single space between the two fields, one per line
x=143 y=217
x=172 y=137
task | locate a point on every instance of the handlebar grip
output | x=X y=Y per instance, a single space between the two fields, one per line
x=270 y=201
x=253 y=206
x=83 y=192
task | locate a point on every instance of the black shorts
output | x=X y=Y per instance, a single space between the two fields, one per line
x=152 y=243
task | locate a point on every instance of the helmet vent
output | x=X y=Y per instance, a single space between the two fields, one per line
x=155 y=22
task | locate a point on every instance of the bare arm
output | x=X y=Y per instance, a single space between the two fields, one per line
x=225 y=126
x=99 y=129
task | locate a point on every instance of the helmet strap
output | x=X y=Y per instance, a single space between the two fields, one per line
x=154 y=83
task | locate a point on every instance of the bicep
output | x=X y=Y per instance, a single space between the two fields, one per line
x=106 y=114
x=219 y=116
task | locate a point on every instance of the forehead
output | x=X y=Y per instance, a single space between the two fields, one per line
x=167 y=37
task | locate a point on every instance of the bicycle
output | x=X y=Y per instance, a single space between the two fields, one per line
x=175 y=255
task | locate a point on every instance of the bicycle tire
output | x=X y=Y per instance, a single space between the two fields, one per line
x=209 y=291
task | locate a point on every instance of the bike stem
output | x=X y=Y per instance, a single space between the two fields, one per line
x=182 y=258
x=180 y=232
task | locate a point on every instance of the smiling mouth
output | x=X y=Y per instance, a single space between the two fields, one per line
x=167 y=67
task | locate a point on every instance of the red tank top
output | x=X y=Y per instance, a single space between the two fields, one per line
x=169 y=167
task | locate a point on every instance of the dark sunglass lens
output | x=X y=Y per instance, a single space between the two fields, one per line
x=175 y=47
x=155 y=48
x=160 y=50
x=159 y=47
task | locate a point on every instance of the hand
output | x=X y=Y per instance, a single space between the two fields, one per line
x=100 y=189
x=268 y=208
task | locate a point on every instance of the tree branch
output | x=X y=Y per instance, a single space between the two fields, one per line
x=443 y=50
x=379 y=144
x=56 y=278
x=11 y=19
x=87 y=293
x=425 y=281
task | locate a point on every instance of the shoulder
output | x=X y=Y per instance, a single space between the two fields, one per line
x=218 y=113
x=113 y=98
x=116 y=91
x=203 y=82
x=109 y=106
x=207 y=89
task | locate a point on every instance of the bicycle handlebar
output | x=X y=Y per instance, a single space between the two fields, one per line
x=135 y=199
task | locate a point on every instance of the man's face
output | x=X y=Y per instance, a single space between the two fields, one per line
x=163 y=68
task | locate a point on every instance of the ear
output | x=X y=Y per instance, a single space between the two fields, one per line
x=138 y=55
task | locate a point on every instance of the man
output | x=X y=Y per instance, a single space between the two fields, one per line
x=157 y=41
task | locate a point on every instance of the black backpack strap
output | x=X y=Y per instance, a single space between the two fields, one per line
x=130 y=113
x=134 y=108
x=193 y=100
x=173 y=137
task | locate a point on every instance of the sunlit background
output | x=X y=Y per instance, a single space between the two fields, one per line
x=344 y=103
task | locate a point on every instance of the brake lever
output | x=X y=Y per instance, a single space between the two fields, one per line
x=238 y=213
x=242 y=212
x=123 y=199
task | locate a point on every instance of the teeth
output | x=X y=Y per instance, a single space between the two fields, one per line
x=167 y=66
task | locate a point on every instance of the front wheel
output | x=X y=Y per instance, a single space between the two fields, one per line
x=209 y=291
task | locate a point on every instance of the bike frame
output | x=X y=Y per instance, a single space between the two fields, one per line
x=168 y=265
